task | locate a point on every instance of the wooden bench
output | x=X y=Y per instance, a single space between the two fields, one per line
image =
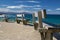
x=46 y=33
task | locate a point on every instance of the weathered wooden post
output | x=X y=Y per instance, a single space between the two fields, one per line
x=40 y=25
x=35 y=24
x=16 y=17
x=24 y=20
x=48 y=34
x=33 y=17
x=40 y=19
x=18 y=20
x=6 y=19
x=44 y=13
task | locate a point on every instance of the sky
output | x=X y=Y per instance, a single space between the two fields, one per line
x=52 y=6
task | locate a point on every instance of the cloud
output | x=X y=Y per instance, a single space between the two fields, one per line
x=25 y=11
x=33 y=1
x=7 y=10
x=37 y=8
x=13 y=7
x=22 y=6
x=58 y=9
x=53 y=12
x=4 y=10
x=27 y=1
x=17 y=11
x=38 y=5
x=49 y=10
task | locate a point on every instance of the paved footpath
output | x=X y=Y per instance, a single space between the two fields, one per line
x=14 y=31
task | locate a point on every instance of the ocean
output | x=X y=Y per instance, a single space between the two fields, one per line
x=12 y=17
x=53 y=20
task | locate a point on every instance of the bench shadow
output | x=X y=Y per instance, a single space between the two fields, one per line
x=30 y=24
x=57 y=35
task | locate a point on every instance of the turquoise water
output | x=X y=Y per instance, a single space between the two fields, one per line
x=1 y=19
x=54 y=19
x=12 y=17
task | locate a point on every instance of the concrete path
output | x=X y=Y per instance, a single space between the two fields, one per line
x=14 y=31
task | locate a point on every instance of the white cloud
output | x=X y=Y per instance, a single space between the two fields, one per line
x=11 y=7
x=25 y=11
x=22 y=6
x=17 y=11
x=33 y=1
x=49 y=10
x=19 y=7
x=27 y=1
x=4 y=10
x=37 y=8
x=7 y=10
x=58 y=9
x=37 y=5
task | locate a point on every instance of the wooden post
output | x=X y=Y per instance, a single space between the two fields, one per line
x=40 y=24
x=49 y=33
x=40 y=19
x=18 y=20
x=22 y=18
x=44 y=13
x=35 y=24
x=49 y=36
x=16 y=17
x=6 y=19
x=33 y=17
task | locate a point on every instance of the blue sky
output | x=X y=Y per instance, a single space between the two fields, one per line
x=52 y=6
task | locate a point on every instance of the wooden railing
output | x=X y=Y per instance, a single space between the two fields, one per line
x=46 y=33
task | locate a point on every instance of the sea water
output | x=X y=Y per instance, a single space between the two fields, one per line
x=12 y=17
x=52 y=20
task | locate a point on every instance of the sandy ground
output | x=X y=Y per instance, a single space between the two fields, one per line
x=14 y=31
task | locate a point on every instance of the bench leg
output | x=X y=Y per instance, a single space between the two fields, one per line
x=48 y=36
x=42 y=36
x=35 y=26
